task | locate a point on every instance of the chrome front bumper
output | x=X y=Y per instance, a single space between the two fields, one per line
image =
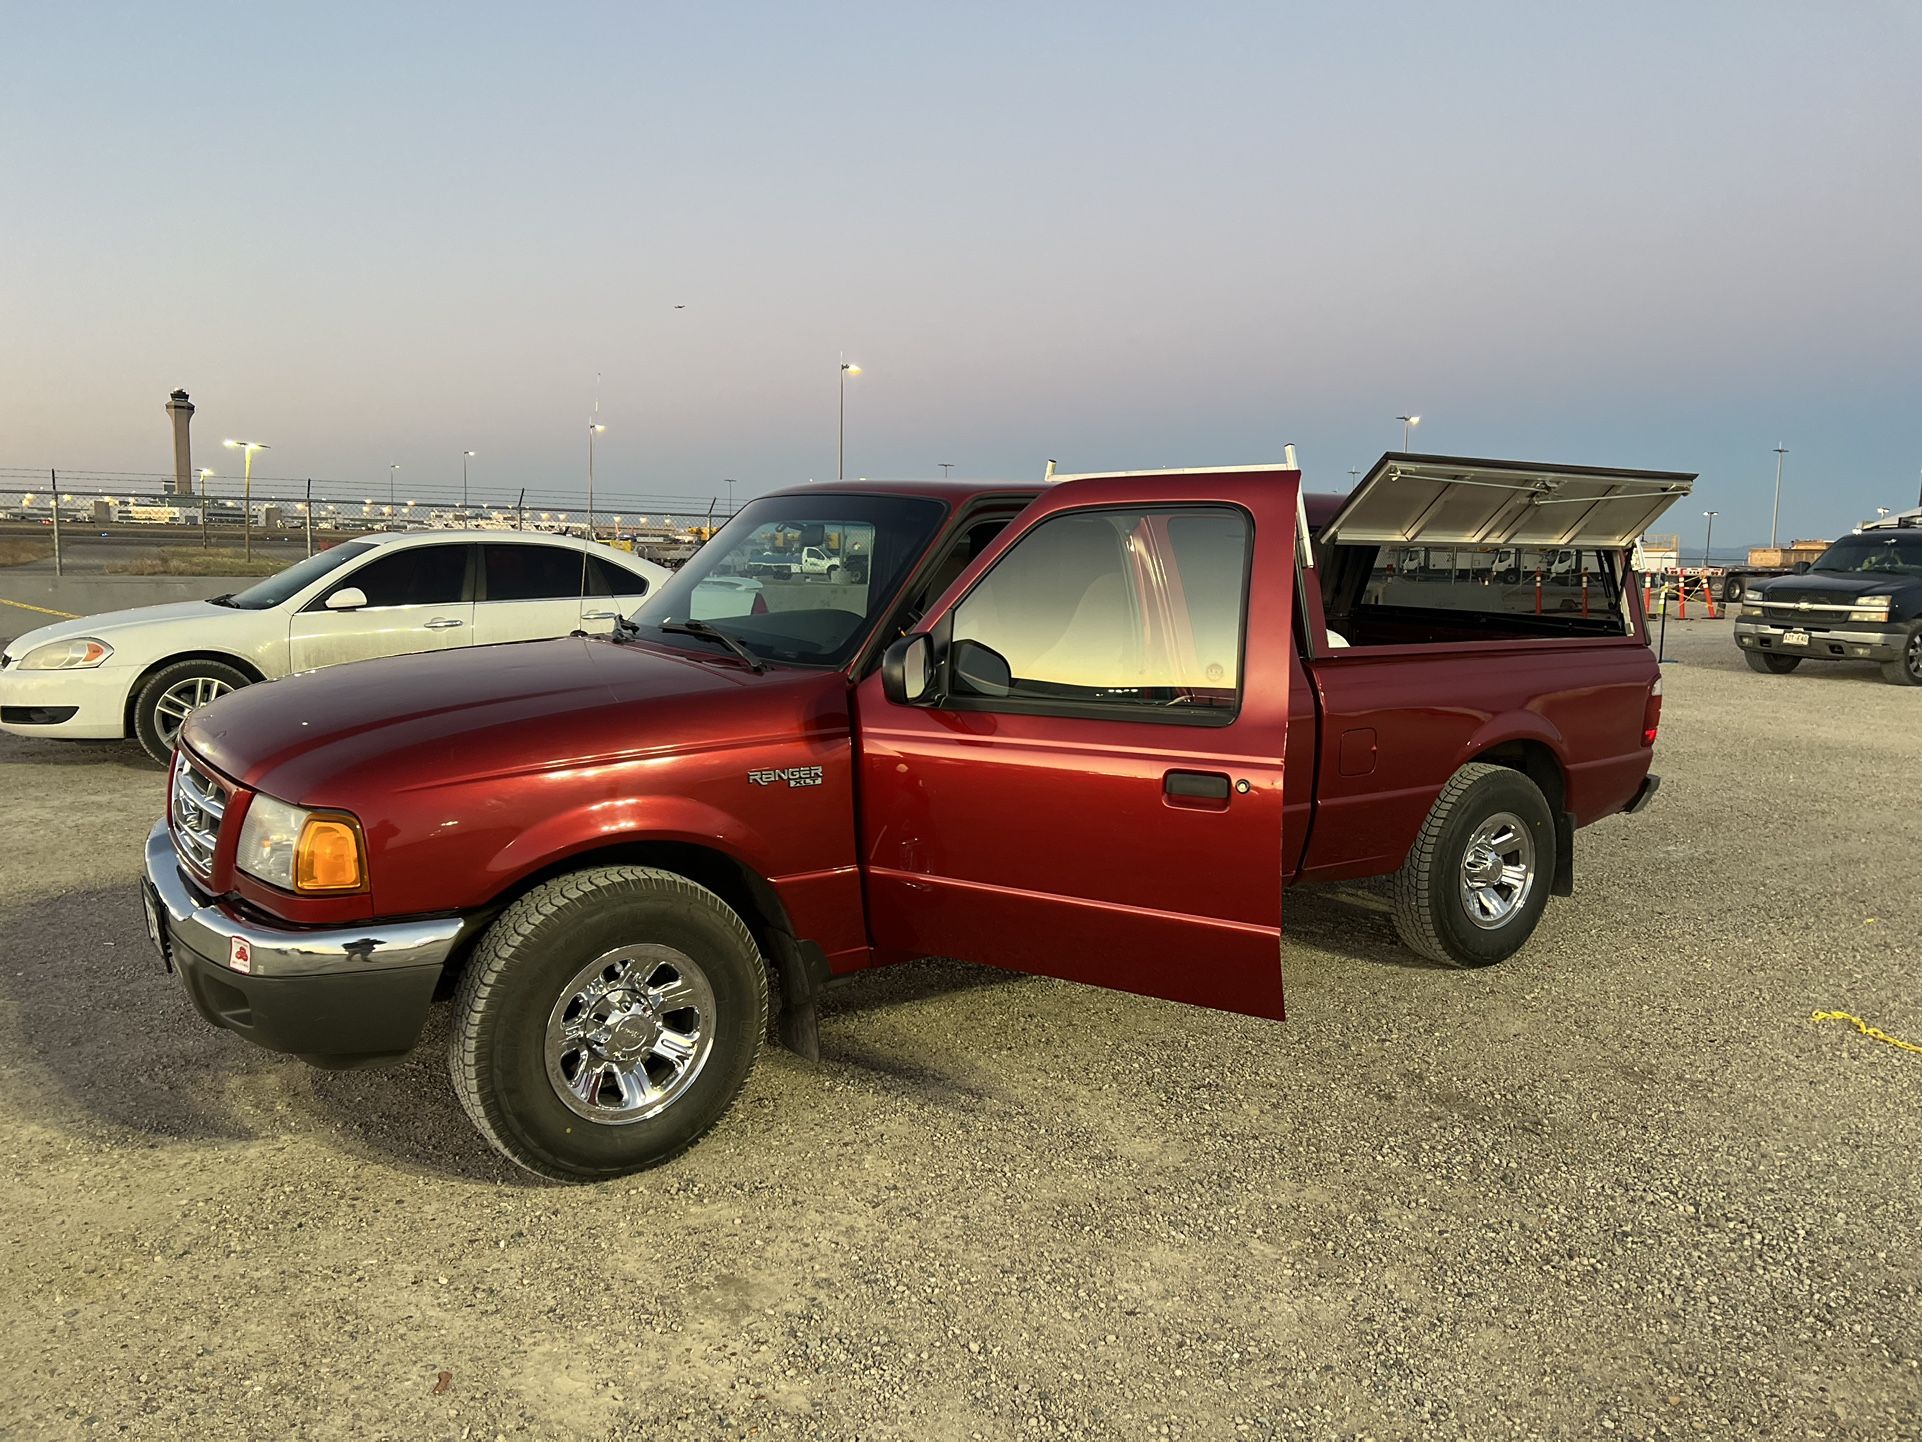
x=1859 y=642
x=219 y=937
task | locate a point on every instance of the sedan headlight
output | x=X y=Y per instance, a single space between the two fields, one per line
x=74 y=655
x=1871 y=608
x=308 y=852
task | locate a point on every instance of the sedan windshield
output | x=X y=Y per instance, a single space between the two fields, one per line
x=1873 y=552
x=264 y=595
x=795 y=579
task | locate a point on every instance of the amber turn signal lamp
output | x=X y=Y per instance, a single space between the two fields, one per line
x=327 y=857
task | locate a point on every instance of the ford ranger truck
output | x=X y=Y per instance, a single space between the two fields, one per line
x=1089 y=731
x=1860 y=601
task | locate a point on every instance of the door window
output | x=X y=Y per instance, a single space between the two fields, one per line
x=533 y=573
x=1138 y=613
x=416 y=576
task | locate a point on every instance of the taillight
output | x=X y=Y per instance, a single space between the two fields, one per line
x=759 y=608
x=1652 y=713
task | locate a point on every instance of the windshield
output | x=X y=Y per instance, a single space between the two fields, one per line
x=1873 y=552
x=796 y=579
x=296 y=578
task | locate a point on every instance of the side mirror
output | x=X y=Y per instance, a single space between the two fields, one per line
x=907 y=671
x=983 y=670
x=347 y=598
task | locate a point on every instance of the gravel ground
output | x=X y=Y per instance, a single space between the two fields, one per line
x=1618 y=1186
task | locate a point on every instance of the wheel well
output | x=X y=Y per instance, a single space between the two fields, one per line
x=750 y=896
x=246 y=668
x=1536 y=761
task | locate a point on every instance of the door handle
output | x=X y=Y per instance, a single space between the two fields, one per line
x=442 y=623
x=1195 y=785
x=599 y=615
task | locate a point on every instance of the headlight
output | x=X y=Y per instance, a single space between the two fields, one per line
x=1871 y=608
x=75 y=655
x=312 y=853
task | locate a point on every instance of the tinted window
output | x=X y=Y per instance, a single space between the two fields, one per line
x=532 y=573
x=1494 y=580
x=417 y=576
x=606 y=578
x=283 y=584
x=1130 y=609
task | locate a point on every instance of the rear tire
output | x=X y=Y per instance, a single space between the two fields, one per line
x=607 y=1020
x=1907 y=669
x=173 y=693
x=1476 y=881
x=1731 y=588
x=1771 y=663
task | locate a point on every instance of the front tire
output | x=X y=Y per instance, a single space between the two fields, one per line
x=1771 y=663
x=607 y=1020
x=1906 y=670
x=172 y=694
x=1476 y=880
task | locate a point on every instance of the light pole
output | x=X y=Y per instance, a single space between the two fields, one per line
x=205 y=476
x=730 y=493
x=594 y=428
x=1407 y=422
x=1708 y=541
x=841 y=451
x=947 y=468
x=247 y=448
x=390 y=485
x=1354 y=477
x=1780 y=451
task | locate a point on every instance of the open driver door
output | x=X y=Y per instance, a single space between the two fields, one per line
x=1074 y=766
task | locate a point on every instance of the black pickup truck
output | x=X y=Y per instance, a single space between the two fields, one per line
x=1862 y=601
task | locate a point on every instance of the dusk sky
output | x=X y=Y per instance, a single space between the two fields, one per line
x=1119 y=235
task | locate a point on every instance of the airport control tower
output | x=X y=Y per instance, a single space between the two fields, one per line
x=180 y=411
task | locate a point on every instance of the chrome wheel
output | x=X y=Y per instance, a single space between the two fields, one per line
x=181 y=700
x=1913 y=656
x=630 y=1033
x=1498 y=870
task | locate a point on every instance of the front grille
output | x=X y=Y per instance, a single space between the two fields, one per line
x=199 y=802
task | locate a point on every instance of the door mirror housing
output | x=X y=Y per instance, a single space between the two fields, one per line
x=347 y=598
x=981 y=670
x=907 y=671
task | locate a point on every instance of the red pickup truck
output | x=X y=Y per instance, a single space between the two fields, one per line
x=1089 y=730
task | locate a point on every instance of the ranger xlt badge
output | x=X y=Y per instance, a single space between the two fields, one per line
x=793 y=775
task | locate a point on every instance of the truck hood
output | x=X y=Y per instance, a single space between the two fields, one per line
x=111 y=624
x=1834 y=587
x=345 y=734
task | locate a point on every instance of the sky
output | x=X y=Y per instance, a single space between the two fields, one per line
x=1120 y=236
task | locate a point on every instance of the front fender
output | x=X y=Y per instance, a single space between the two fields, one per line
x=598 y=825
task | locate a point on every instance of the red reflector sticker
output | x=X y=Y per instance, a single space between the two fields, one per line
x=239 y=956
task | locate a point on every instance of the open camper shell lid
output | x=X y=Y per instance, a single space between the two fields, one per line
x=1453 y=500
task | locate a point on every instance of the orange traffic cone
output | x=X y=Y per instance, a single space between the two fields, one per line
x=1709 y=597
x=1681 y=597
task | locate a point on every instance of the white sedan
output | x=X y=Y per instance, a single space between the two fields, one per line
x=140 y=672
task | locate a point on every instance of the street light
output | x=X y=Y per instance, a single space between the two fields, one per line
x=205 y=476
x=390 y=484
x=729 y=481
x=841 y=452
x=1780 y=451
x=1407 y=422
x=1708 y=541
x=947 y=468
x=465 y=457
x=247 y=493
x=594 y=428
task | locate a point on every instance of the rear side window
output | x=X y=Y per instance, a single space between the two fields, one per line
x=532 y=573
x=1130 y=611
x=416 y=576
x=605 y=578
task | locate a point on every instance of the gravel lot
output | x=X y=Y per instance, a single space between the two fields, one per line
x=1618 y=1186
